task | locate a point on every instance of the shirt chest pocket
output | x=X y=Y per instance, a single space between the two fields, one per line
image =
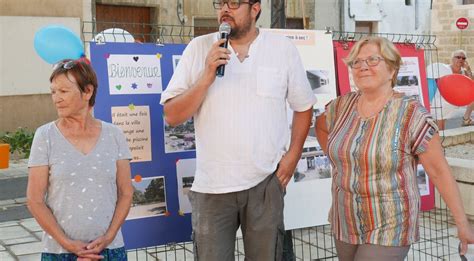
x=271 y=83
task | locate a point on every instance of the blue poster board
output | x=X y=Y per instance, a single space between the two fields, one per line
x=138 y=73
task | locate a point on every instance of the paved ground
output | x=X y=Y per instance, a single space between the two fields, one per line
x=13 y=183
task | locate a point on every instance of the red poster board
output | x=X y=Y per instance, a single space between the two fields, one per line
x=341 y=50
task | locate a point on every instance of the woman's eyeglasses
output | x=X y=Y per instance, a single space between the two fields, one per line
x=232 y=4
x=371 y=61
x=460 y=57
x=66 y=64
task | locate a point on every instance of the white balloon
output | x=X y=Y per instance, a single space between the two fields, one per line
x=114 y=35
x=438 y=70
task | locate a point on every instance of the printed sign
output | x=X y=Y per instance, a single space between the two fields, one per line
x=134 y=74
x=135 y=123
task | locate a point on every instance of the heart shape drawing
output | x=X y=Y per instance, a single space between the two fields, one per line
x=135 y=58
x=118 y=87
x=158 y=55
x=107 y=55
x=149 y=85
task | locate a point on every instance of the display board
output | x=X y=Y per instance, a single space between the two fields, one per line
x=308 y=197
x=131 y=77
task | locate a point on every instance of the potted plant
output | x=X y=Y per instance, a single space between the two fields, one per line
x=15 y=145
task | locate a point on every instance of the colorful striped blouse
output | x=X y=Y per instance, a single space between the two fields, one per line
x=375 y=197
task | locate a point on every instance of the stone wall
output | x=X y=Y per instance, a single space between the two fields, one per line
x=449 y=37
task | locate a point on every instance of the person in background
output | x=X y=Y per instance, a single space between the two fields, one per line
x=79 y=185
x=375 y=138
x=242 y=132
x=459 y=65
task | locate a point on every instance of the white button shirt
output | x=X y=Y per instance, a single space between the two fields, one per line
x=242 y=127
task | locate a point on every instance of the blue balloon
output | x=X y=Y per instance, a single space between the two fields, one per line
x=54 y=43
x=432 y=88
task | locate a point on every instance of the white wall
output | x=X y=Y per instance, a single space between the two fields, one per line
x=265 y=19
x=22 y=71
x=326 y=13
x=389 y=16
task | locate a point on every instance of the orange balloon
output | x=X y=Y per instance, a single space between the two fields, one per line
x=457 y=89
x=137 y=178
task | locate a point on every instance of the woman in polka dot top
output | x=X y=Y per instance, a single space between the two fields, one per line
x=79 y=186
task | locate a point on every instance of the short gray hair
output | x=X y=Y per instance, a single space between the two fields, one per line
x=458 y=52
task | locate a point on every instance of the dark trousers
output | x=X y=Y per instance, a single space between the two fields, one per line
x=258 y=211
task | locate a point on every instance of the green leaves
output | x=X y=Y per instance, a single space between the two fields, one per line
x=20 y=141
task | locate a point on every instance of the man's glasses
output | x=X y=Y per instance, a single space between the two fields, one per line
x=460 y=57
x=371 y=61
x=232 y=4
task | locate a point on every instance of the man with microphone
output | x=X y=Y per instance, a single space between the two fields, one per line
x=243 y=158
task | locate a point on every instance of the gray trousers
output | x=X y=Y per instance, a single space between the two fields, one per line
x=259 y=213
x=369 y=252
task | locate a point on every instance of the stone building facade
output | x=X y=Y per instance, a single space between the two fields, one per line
x=448 y=36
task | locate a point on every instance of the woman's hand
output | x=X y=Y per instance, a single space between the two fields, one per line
x=466 y=65
x=78 y=248
x=466 y=236
x=96 y=246
x=468 y=69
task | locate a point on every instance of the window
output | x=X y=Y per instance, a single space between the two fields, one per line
x=407 y=2
x=134 y=19
x=365 y=27
x=205 y=25
x=294 y=23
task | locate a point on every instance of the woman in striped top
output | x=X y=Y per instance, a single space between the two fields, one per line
x=375 y=137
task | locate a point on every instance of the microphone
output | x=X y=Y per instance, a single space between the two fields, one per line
x=224 y=31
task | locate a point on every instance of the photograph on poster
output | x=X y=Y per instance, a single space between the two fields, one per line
x=185 y=169
x=423 y=181
x=313 y=163
x=176 y=59
x=319 y=81
x=321 y=85
x=149 y=198
x=187 y=184
x=408 y=78
x=179 y=138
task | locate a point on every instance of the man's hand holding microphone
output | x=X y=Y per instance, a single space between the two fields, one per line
x=218 y=55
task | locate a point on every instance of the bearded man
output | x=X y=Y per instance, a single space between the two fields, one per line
x=242 y=133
